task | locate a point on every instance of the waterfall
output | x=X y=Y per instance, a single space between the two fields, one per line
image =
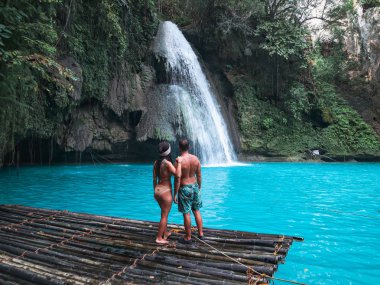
x=202 y=121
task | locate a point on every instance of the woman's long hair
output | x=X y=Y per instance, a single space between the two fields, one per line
x=162 y=147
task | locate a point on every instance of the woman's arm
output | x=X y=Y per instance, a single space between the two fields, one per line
x=177 y=180
x=170 y=167
x=175 y=170
x=178 y=163
x=154 y=175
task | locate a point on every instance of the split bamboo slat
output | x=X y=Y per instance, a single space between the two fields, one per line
x=40 y=246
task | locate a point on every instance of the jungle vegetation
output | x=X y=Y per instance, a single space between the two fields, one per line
x=104 y=37
x=285 y=87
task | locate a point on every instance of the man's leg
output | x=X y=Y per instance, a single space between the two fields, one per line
x=187 y=223
x=198 y=220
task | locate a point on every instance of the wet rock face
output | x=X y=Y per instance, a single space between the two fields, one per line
x=126 y=92
x=90 y=128
x=75 y=68
x=373 y=19
x=117 y=99
x=363 y=40
x=363 y=45
x=80 y=135
x=162 y=114
x=104 y=126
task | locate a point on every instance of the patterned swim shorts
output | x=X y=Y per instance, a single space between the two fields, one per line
x=189 y=198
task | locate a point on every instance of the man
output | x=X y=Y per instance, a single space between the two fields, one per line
x=188 y=190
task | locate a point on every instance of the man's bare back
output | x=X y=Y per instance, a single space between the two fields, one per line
x=191 y=170
x=187 y=190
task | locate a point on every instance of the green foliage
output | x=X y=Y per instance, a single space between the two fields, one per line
x=300 y=79
x=347 y=132
x=163 y=135
x=341 y=11
x=259 y=43
x=4 y=34
x=370 y=3
x=282 y=38
x=268 y=123
x=238 y=16
x=106 y=37
x=267 y=129
x=31 y=78
x=183 y=13
x=286 y=89
x=297 y=102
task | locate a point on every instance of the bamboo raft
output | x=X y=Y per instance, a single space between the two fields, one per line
x=40 y=246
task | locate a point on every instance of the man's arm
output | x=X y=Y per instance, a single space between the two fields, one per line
x=199 y=175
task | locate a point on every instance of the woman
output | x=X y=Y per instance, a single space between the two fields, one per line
x=163 y=169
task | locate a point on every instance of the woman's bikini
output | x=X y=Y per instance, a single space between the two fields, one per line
x=161 y=189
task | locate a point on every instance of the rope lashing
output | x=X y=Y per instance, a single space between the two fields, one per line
x=26 y=221
x=277 y=249
x=248 y=267
x=62 y=242
x=135 y=262
x=279 y=245
x=253 y=279
x=176 y=231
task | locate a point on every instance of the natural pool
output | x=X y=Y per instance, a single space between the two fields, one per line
x=335 y=207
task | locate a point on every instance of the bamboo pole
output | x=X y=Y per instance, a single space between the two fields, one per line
x=44 y=225
x=89 y=217
x=85 y=249
x=28 y=276
x=232 y=267
x=7 y=279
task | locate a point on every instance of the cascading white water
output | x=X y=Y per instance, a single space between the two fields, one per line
x=201 y=115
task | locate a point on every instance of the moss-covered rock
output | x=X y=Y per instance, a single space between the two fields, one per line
x=267 y=129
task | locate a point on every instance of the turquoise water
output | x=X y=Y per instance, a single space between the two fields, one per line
x=335 y=207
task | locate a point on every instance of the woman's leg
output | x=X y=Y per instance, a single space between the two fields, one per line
x=169 y=202
x=165 y=202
